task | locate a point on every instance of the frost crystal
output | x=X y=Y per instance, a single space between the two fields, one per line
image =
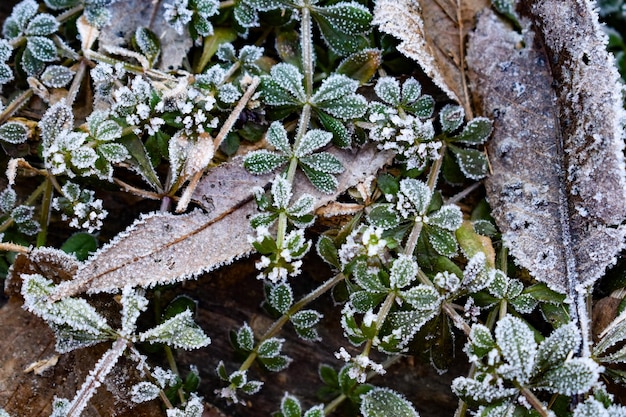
x=144 y=391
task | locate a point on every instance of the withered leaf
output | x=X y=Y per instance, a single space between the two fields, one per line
x=433 y=33
x=163 y=248
x=128 y=15
x=557 y=188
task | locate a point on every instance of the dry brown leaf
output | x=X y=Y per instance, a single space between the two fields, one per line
x=433 y=33
x=128 y=15
x=557 y=188
x=163 y=248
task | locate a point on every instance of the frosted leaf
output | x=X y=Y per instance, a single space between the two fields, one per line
x=249 y=54
x=14 y=132
x=480 y=341
x=102 y=127
x=133 y=304
x=23 y=12
x=311 y=141
x=6 y=50
x=41 y=25
x=475 y=275
x=422 y=297
x=476 y=391
x=193 y=408
x=553 y=351
x=270 y=348
x=406 y=324
x=228 y=93
x=348 y=107
x=334 y=87
x=591 y=408
x=414 y=197
x=83 y=158
x=306 y=318
x=165 y=377
x=451 y=117
x=403 y=272
x=8 y=199
x=411 y=90
x=245 y=338
x=472 y=162
x=148 y=43
x=179 y=331
x=281 y=297
x=57 y=76
x=290 y=406
x=323 y=162
x=476 y=131
x=315 y=411
x=226 y=52
x=289 y=78
x=277 y=137
x=367 y=279
x=113 y=152
x=303 y=206
x=575 y=376
x=41 y=48
x=388 y=89
x=263 y=161
x=499 y=284
x=614 y=333
x=517 y=344
x=252 y=387
x=384 y=402
x=6 y=74
x=144 y=391
x=55 y=120
x=281 y=192
x=448 y=217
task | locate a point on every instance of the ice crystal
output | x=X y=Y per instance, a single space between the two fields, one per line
x=144 y=391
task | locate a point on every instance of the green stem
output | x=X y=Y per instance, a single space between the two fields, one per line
x=297 y=306
x=44 y=215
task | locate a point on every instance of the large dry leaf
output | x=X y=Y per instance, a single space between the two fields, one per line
x=557 y=188
x=163 y=248
x=433 y=33
x=128 y=15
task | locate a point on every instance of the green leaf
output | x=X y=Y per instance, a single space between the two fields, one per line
x=403 y=272
x=42 y=49
x=348 y=107
x=481 y=341
x=448 y=217
x=383 y=402
x=179 y=331
x=311 y=141
x=368 y=280
x=517 y=344
x=334 y=87
x=323 y=162
x=443 y=241
x=23 y=12
x=270 y=348
x=285 y=78
x=306 y=318
x=140 y=160
x=277 y=363
x=315 y=411
x=30 y=64
x=251 y=387
x=424 y=107
x=417 y=193
x=277 y=137
x=245 y=338
x=81 y=245
x=575 y=376
x=263 y=161
x=6 y=74
x=14 y=132
x=41 y=25
x=341 y=136
x=113 y=152
x=328 y=375
x=361 y=65
x=384 y=216
x=343 y=25
x=475 y=132
x=148 y=43
x=422 y=297
x=451 y=117
x=281 y=297
x=324 y=182
x=363 y=301
x=555 y=349
x=57 y=76
x=476 y=392
x=473 y=163
x=388 y=89
x=290 y=406
x=61 y=4
x=327 y=250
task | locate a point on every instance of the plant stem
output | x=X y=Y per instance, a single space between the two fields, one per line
x=44 y=215
x=534 y=401
x=297 y=306
x=15 y=105
x=78 y=79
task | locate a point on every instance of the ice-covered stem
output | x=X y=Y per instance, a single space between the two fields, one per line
x=15 y=105
x=96 y=377
x=297 y=306
x=133 y=69
x=76 y=83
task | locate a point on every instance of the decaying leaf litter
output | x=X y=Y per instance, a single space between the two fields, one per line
x=584 y=216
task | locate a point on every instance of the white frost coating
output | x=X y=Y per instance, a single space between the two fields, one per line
x=402 y=19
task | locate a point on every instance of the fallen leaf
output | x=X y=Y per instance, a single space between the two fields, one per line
x=433 y=33
x=128 y=15
x=163 y=248
x=557 y=188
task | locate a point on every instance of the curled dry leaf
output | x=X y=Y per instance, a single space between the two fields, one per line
x=557 y=188
x=162 y=248
x=433 y=33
